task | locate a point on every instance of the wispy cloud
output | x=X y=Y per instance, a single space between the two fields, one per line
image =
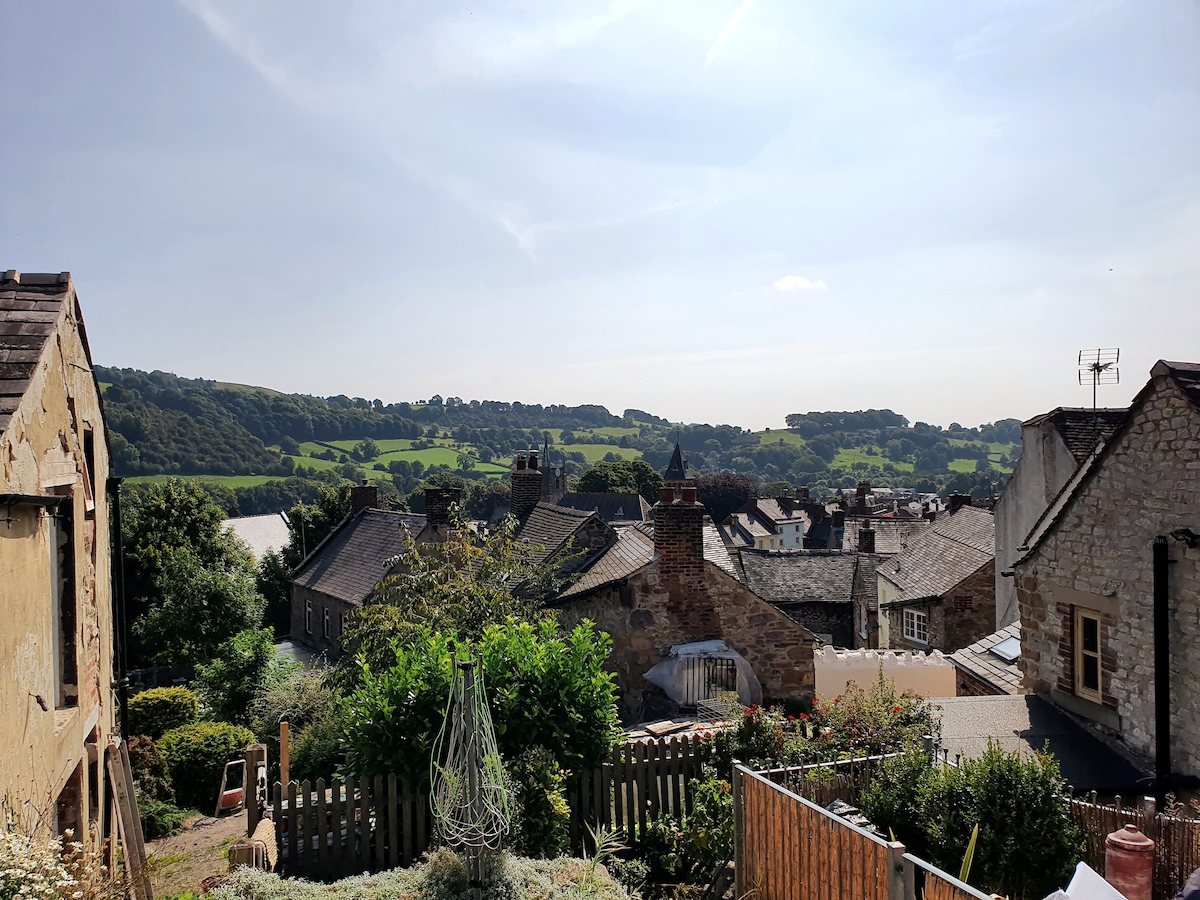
x=798 y=284
x=728 y=31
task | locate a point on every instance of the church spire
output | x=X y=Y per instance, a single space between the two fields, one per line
x=677 y=469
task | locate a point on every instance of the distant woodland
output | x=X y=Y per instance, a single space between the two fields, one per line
x=259 y=450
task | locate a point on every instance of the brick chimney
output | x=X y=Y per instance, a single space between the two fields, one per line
x=679 y=538
x=802 y=494
x=363 y=496
x=437 y=504
x=866 y=538
x=839 y=518
x=526 y=484
x=860 y=498
x=955 y=502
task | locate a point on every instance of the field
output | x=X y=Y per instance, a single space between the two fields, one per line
x=848 y=456
x=229 y=481
x=775 y=436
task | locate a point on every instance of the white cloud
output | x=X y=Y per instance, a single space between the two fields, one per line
x=728 y=31
x=795 y=284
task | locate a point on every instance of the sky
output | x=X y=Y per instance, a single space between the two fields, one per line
x=718 y=211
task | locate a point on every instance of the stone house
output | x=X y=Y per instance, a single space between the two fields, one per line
x=939 y=591
x=1053 y=446
x=1113 y=563
x=56 y=645
x=672 y=584
x=822 y=590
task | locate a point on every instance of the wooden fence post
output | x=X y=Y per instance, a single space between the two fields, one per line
x=901 y=878
x=256 y=757
x=285 y=753
x=739 y=832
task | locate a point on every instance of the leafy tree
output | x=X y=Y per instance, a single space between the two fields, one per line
x=242 y=668
x=309 y=524
x=366 y=449
x=724 y=493
x=198 y=608
x=289 y=445
x=271 y=581
x=462 y=585
x=544 y=689
x=624 y=477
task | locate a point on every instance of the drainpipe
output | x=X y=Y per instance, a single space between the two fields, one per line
x=1162 y=668
x=120 y=621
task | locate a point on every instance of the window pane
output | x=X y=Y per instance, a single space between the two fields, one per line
x=1091 y=673
x=1091 y=635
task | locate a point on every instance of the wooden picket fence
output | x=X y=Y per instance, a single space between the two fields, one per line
x=641 y=782
x=1176 y=855
x=350 y=826
x=787 y=847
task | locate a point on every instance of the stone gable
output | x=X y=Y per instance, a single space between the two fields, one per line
x=1098 y=556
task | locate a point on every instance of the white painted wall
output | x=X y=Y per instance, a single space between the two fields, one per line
x=927 y=674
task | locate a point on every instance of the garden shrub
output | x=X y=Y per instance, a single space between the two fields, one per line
x=196 y=755
x=160 y=819
x=316 y=750
x=541 y=816
x=150 y=771
x=544 y=689
x=38 y=865
x=158 y=710
x=688 y=850
x=242 y=668
x=1028 y=842
x=304 y=700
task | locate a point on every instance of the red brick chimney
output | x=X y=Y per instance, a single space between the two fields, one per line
x=363 y=496
x=860 y=498
x=526 y=485
x=437 y=504
x=679 y=539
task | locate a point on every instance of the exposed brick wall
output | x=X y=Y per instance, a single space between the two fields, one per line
x=526 y=491
x=834 y=619
x=438 y=502
x=1099 y=556
x=646 y=618
x=967 y=685
x=679 y=543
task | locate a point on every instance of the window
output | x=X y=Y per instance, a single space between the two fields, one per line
x=343 y=629
x=62 y=582
x=325 y=621
x=308 y=616
x=1087 y=654
x=916 y=626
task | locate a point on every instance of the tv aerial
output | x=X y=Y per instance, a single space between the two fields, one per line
x=1098 y=367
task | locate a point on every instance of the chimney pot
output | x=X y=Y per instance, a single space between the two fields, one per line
x=689 y=495
x=666 y=495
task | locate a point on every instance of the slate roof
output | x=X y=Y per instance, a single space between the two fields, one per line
x=349 y=563
x=1080 y=428
x=1186 y=375
x=30 y=307
x=632 y=550
x=550 y=526
x=779 y=513
x=612 y=508
x=891 y=535
x=790 y=577
x=979 y=660
x=951 y=549
x=262 y=534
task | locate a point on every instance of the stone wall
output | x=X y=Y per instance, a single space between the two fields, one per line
x=958 y=618
x=46 y=724
x=647 y=615
x=315 y=639
x=1099 y=557
x=833 y=619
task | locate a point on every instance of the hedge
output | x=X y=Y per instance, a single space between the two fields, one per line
x=158 y=710
x=196 y=755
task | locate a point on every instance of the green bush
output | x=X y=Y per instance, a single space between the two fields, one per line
x=544 y=689
x=243 y=668
x=316 y=750
x=150 y=771
x=302 y=699
x=160 y=819
x=1028 y=842
x=158 y=710
x=541 y=816
x=196 y=755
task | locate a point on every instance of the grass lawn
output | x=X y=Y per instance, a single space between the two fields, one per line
x=229 y=481
x=848 y=456
x=594 y=453
x=774 y=436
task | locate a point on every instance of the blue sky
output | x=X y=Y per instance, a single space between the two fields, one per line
x=716 y=211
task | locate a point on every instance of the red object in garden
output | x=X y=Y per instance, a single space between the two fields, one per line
x=1129 y=862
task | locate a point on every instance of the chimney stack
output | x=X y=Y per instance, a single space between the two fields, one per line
x=437 y=504
x=839 y=518
x=860 y=498
x=866 y=538
x=957 y=502
x=679 y=537
x=363 y=496
x=802 y=494
x=526 y=485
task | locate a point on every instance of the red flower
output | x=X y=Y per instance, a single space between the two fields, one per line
x=896 y=708
x=804 y=715
x=792 y=718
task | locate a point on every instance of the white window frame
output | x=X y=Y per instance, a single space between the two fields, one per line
x=308 y=616
x=343 y=624
x=1096 y=694
x=325 y=621
x=916 y=623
